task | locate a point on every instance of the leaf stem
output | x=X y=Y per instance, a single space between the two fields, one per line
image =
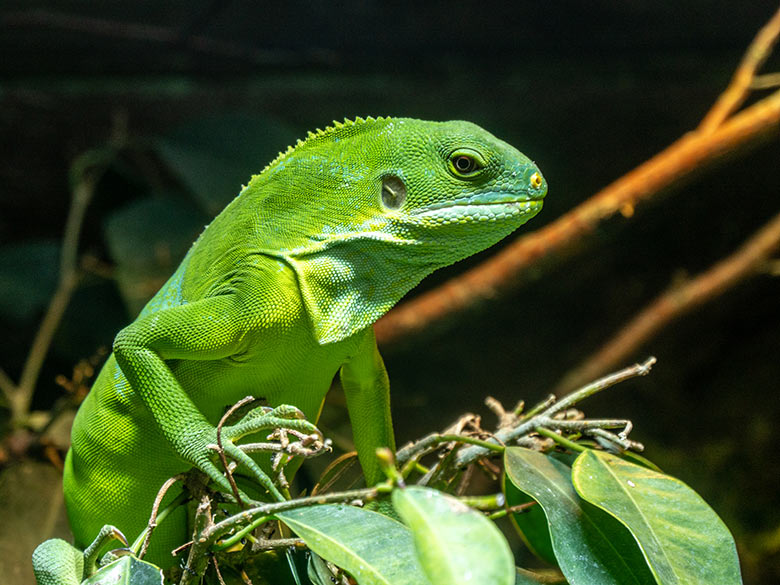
x=560 y=439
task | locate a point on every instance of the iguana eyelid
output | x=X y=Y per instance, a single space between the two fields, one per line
x=479 y=161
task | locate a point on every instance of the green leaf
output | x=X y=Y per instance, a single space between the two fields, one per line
x=591 y=547
x=455 y=544
x=127 y=570
x=682 y=538
x=531 y=524
x=215 y=155
x=318 y=571
x=373 y=548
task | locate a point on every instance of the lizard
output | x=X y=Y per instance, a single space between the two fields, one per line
x=276 y=297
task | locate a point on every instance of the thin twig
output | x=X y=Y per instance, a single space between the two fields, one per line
x=198 y=559
x=543 y=405
x=509 y=436
x=747 y=261
x=219 y=573
x=152 y=524
x=274 y=543
x=244 y=401
x=509 y=267
x=250 y=515
x=576 y=426
x=21 y=396
x=469 y=441
x=175 y=552
x=333 y=472
x=741 y=83
x=517 y=509
x=590 y=389
x=605 y=438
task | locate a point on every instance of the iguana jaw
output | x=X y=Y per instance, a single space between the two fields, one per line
x=481 y=207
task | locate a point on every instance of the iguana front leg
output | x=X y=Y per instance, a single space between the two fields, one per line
x=209 y=329
x=367 y=390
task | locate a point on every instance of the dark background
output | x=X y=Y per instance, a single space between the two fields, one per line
x=208 y=92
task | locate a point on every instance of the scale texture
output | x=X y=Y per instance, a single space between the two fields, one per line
x=276 y=297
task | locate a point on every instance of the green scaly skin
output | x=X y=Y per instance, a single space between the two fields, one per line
x=277 y=296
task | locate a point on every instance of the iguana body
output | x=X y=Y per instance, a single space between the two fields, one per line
x=278 y=295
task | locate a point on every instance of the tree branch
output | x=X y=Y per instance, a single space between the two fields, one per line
x=507 y=269
x=747 y=261
x=741 y=83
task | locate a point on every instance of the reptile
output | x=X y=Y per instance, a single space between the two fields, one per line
x=276 y=297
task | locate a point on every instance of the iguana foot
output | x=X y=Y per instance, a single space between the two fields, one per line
x=280 y=420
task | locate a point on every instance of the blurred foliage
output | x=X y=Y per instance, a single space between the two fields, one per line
x=28 y=276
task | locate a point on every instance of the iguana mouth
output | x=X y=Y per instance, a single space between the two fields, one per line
x=486 y=204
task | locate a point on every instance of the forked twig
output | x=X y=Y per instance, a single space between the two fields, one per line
x=742 y=81
x=152 y=524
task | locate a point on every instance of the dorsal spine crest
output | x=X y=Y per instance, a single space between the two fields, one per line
x=324 y=133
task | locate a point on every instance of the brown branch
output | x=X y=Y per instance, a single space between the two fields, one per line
x=715 y=136
x=767 y=81
x=741 y=83
x=152 y=524
x=506 y=269
x=747 y=261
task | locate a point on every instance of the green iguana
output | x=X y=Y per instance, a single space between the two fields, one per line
x=276 y=296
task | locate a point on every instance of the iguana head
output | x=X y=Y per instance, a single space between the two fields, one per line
x=364 y=210
x=457 y=187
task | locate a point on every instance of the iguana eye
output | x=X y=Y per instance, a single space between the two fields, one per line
x=393 y=192
x=466 y=163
